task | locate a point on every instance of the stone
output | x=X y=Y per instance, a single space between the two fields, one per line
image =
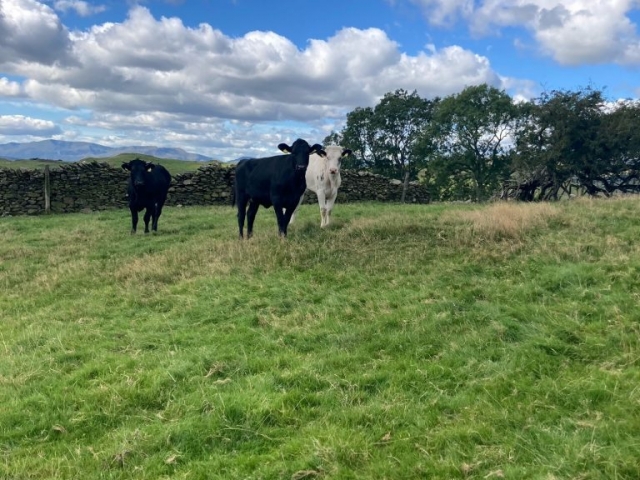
x=95 y=186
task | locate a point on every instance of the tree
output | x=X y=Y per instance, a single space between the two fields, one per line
x=359 y=136
x=383 y=138
x=399 y=118
x=616 y=165
x=558 y=144
x=470 y=142
x=334 y=138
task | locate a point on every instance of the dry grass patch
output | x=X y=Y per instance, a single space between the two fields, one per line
x=177 y=263
x=500 y=221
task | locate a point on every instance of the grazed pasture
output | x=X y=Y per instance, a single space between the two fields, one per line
x=174 y=166
x=412 y=342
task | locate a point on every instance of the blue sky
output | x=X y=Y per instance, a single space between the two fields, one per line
x=228 y=78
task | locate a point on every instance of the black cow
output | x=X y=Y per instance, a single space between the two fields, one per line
x=278 y=181
x=148 y=187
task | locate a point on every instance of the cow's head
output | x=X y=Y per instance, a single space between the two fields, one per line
x=138 y=169
x=300 y=151
x=334 y=157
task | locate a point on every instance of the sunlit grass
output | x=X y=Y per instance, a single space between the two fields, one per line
x=441 y=341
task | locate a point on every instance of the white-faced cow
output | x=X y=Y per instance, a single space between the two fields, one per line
x=323 y=178
x=278 y=181
x=148 y=187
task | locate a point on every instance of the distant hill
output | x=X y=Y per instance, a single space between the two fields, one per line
x=75 y=151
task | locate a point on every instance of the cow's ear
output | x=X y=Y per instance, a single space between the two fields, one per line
x=149 y=166
x=126 y=166
x=346 y=152
x=284 y=148
x=319 y=150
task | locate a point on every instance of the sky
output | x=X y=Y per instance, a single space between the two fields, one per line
x=233 y=78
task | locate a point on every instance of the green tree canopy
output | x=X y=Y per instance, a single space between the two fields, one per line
x=469 y=141
x=558 y=142
x=479 y=142
x=383 y=138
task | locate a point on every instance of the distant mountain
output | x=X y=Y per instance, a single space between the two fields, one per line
x=74 y=151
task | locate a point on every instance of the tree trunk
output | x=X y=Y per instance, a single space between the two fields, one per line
x=405 y=186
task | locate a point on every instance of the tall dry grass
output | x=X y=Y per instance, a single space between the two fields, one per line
x=499 y=221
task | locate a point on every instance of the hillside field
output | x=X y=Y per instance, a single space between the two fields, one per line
x=174 y=166
x=403 y=342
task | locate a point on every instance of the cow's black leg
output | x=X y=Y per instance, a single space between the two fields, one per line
x=134 y=220
x=289 y=212
x=251 y=216
x=283 y=220
x=241 y=201
x=156 y=217
x=287 y=217
x=147 y=217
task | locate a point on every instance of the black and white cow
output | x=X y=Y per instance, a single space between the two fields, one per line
x=148 y=187
x=278 y=181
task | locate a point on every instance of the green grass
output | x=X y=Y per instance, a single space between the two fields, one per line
x=403 y=342
x=174 y=166
x=30 y=164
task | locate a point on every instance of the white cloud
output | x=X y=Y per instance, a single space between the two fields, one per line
x=144 y=64
x=31 y=32
x=9 y=88
x=445 y=12
x=220 y=139
x=21 y=125
x=522 y=90
x=613 y=105
x=159 y=80
x=82 y=8
x=573 y=32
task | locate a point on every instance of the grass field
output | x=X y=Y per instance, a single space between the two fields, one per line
x=404 y=342
x=30 y=164
x=174 y=166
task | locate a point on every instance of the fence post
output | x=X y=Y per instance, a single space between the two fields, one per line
x=47 y=190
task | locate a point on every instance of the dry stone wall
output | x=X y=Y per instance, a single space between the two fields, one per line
x=21 y=192
x=98 y=186
x=209 y=185
x=88 y=186
x=366 y=186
